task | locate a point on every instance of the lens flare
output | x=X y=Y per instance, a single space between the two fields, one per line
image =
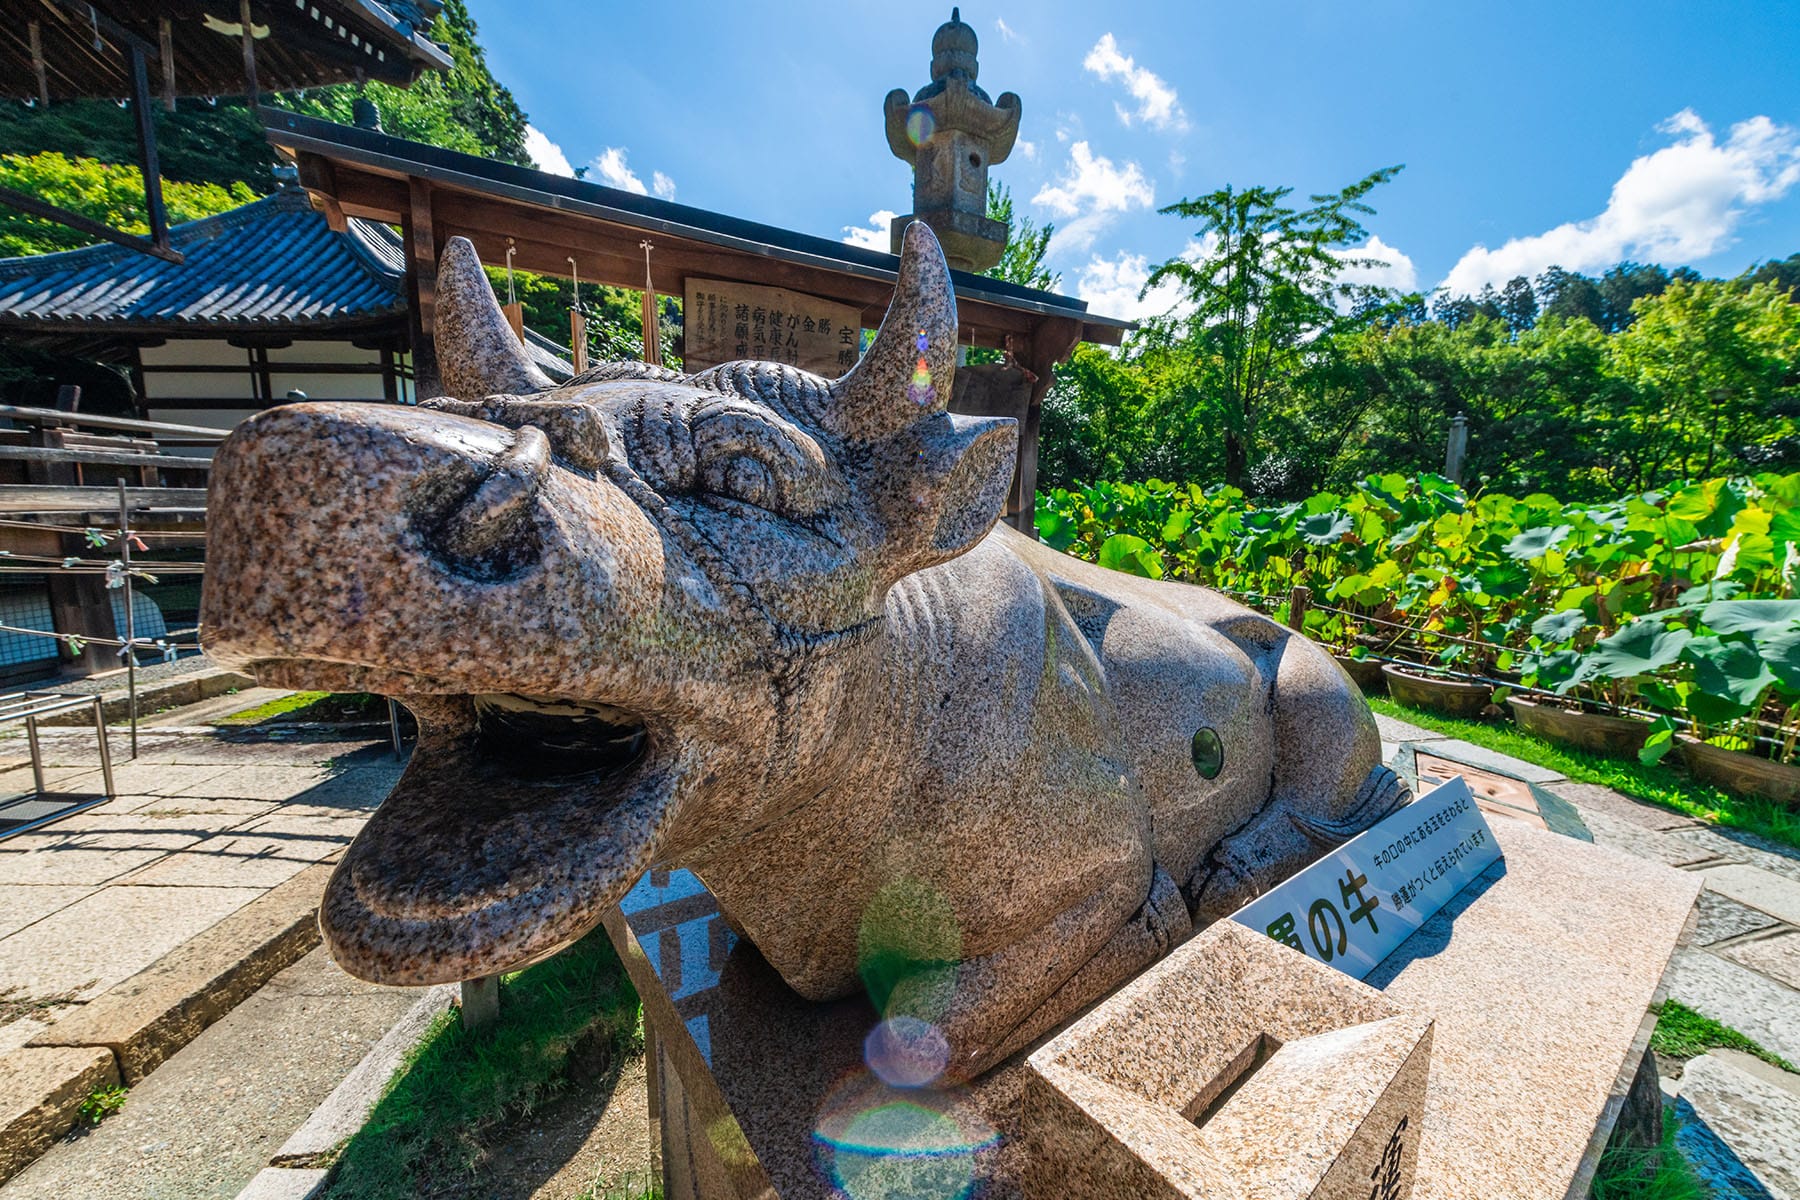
x=920 y=125
x=876 y=1143
x=906 y=1052
x=909 y=941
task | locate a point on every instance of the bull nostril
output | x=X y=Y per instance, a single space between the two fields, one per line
x=493 y=525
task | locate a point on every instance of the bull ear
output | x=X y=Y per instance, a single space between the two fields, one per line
x=910 y=368
x=478 y=353
x=942 y=485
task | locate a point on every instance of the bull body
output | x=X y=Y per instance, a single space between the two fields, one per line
x=762 y=625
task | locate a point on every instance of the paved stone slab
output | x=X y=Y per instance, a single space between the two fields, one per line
x=81 y=858
x=263 y=853
x=1481 y=756
x=1665 y=848
x=210 y=1118
x=1753 y=1004
x=1593 y=797
x=153 y=1014
x=348 y=1107
x=1758 y=1123
x=40 y=1091
x=23 y=903
x=110 y=936
x=1395 y=730
x=1773 y=894
x=1778 y=956
x=285 y=1183
x=130 y=778
x=1722 y=917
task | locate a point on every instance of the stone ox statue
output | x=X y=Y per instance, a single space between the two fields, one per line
x=763 y=625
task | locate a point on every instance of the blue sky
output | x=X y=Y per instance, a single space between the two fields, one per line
x=1533 y=133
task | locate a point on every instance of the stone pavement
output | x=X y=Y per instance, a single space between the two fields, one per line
x=1741 y=965
x=204 y=823
x=127 y=928
x=207 y=1120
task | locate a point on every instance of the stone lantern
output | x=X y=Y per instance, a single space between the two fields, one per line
x=951 y=133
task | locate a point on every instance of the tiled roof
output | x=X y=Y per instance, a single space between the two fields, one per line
x=273 y=263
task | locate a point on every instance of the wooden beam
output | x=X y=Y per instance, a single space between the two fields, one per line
x=419 y=233
x=1054 y=341
x=102 y=458
x=252 y=93
x=29 y=498
x=38 y=65
x=27 y=203
x=49 y=416
x=166 y=37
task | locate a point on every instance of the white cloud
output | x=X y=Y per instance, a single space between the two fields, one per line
x=1111 y=286
x=614 y=173
x=546 y=154
x=875 y=235
x=1006 y=31
x=1091 y=191
x=1678 y=204
x=1385 y=266
x=1157 y=103
x=1027 y=150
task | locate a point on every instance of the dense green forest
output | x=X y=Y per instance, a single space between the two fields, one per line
x=1276 y=376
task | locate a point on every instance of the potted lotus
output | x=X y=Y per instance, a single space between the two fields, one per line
x=1592 y=684
x=1740 y=689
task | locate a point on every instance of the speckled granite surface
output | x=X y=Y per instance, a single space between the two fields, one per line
x=759 y=624
x=1536 y=982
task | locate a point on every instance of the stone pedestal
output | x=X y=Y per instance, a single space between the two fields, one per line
x=1506 y=1032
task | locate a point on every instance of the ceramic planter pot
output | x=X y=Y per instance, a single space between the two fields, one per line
x=1736 y=771
x=1365 y=672
x=1597 y=733
x=1452 y=697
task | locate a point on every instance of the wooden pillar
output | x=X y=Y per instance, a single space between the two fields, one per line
x=36 y=32
x=252 y=94
x=1051 y=342
x=418 y=229
x=166 y=36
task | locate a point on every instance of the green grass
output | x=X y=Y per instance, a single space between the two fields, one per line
x=458 y=1089
x=1683 y=1033
x=1632 y=1173
x=1661 y=785
x=313 y=706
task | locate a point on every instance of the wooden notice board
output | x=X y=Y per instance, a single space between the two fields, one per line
x=724 y=321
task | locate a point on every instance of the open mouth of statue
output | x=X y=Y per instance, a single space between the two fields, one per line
x=517 y=823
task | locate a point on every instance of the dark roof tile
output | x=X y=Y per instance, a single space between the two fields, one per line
x=272 y=262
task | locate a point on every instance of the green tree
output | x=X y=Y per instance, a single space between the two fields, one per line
x=1569 y=294
x=99 y=191
x=1715 y=368
x=1518 y=305
x=464 y=108
x=1266 y=281
x=1027 y=243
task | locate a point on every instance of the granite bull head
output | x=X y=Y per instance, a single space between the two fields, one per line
x=762 y=625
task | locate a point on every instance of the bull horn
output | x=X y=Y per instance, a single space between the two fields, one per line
x=911 y=366
x=478 y=353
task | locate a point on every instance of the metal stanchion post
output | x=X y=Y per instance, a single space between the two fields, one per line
x=130 y=618
x=394 y=725
x=105 y=751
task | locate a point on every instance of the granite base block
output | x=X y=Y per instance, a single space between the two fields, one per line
x=1506 y=1032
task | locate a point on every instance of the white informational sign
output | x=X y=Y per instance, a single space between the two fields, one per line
x=1354 y=906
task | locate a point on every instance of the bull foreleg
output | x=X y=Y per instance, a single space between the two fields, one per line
x=989 y=1007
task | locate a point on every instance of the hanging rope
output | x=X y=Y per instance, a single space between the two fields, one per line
x=577 y=321
x=652 y=338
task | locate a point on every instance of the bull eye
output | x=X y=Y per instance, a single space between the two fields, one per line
x=745 y=478
x=1209 y=753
